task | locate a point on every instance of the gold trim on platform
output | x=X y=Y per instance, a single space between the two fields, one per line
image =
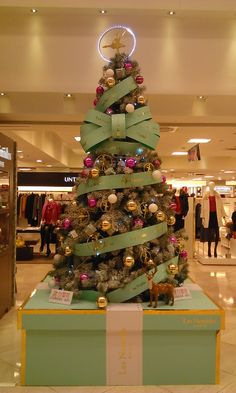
x=23 y=357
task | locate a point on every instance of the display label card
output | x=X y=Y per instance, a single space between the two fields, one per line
x=182 y=293
x=73 y=234
x=60 y=296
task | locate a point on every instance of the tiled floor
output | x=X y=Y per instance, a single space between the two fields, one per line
x=218 y=281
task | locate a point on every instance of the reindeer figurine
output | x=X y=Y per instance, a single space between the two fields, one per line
x=156 y=289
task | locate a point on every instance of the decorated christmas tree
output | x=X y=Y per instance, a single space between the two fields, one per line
x=118 y=232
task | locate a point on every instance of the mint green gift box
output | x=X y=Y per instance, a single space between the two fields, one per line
x=66 y=345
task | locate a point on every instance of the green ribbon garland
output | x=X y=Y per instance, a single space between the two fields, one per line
x=137 y=125
x=123 y=240
x=117 y=181
x=134 y=288
x=116 y=93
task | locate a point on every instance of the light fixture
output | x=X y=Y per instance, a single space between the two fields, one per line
x=68 y=95
x=199 y=140
x=229 y=171
x=202 y=98
x=19 y=151
x=2 y=93
x=33 y=10
x=179 y=153
x=102 y=12
x=77 y=138
x=171 y=13
x=49 y=165
x=39 y=160
x=209 y=176
x=25 y=169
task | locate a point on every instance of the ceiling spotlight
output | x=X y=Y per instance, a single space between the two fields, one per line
x=102 y=12
x=179 y=153
x=25 y=169
x=202 y=98
x=68 y=95
x=2 y=94
x=171 y=13
x=77 y=138
x=199 y=140
x=39 y=160
x=19 y=151
x=49 y=165
x=33 y=10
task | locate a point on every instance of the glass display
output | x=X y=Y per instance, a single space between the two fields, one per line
x=4 y=211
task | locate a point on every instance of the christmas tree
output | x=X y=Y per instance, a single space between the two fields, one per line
x=120 y=225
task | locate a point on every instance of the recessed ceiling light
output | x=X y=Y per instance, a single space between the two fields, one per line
x=25 y=169
x=229 y=171
x=49 y=165
x=171 y=13
x=179 y=153
x=202 y=98
x=19 y=151
x=39 y=160
x=2 y=93
x=199 y=140
x=102 y=12
x=68 y=95
x=77 y=138
x=209 y=177
x=34 y=10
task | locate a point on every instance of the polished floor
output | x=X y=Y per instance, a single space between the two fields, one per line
x=219 y=282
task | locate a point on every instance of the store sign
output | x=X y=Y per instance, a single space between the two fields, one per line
x=4 y=153
x=60 y=296
x=55 y=179
x=224 y=189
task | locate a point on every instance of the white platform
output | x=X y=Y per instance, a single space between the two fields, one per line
x=217 y=261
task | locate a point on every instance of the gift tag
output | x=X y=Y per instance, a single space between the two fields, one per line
x=61 y=297
x=182 y=293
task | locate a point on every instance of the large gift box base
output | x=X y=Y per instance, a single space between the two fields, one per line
x=75 y=344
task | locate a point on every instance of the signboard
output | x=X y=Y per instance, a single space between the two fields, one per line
x=56 y=179
x=61 y=297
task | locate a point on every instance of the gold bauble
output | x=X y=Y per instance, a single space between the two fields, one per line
x=102 y=302
x=131 y=206
x=110 y=81
x=171 y=220
x=160 y=215
x=141 y=100
x=129 y=261
x=68 y=251
x=172 y=268
x=94 y=172
x=150 y=262
x=105 y=225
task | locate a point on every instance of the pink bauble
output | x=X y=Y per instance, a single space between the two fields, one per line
x=130 y=162
x=163 y=179
x=173 y=206
x=109 y=111
x=88 y=162
x=128 y=67
x=138 y=222
x=139 y=79
x=95 y=101
x=173 y=239
x=99 y=90
x=66 y=223
x=183 y=254
x=83 y=277
x=156 y=163
x=92 y=202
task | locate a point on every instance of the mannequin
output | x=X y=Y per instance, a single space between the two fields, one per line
x=50 y=216
x=212 y=213
x=181 y=199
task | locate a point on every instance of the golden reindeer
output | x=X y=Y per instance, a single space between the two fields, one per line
x=156 y=289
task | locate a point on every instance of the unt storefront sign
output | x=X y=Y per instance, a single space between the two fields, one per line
x=51 y=179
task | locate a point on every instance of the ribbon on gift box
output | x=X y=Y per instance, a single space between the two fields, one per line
x=117 y=181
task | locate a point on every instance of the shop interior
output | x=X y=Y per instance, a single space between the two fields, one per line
x=190 y=87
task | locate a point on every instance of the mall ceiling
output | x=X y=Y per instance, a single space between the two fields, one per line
x=52 y=52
